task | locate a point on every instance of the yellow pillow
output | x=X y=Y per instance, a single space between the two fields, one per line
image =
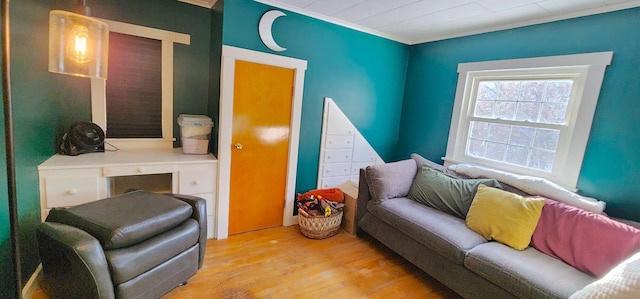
x=503 y=216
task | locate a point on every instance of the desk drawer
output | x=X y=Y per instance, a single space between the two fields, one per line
x=137 y=170
x=71 y=190
x=198 y=180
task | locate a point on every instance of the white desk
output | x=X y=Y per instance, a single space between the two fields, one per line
x=72 y=180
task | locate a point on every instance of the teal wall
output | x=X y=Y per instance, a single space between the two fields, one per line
x=612 y=159
x=214 y=72
x=46 y=103
x=363 y=74
x=6 y=259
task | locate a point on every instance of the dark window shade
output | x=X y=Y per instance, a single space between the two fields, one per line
x=134 y=87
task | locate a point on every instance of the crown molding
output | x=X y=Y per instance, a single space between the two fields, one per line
x=461 y=33
x=560 y=17
x=204 y=3
x=334 y=21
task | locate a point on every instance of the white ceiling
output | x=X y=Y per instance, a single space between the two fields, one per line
x=418 y=21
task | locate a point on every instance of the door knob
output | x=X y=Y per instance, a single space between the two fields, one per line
x=238 y=146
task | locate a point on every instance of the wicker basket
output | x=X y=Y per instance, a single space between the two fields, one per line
x=319 y=227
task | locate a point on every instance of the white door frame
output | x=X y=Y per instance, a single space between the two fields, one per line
x=229 y=56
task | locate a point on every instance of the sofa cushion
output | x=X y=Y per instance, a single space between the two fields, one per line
x=445 y=193
x=527 y=273
x=440 y=232
x=124 y=220
x=391 y=179
x=129 y=262
x=503 y=216
x=622 y=282
x=591 y=242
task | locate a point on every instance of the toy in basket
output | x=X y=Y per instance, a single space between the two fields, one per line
x=320 y=212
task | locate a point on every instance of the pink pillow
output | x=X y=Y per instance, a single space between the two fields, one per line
x=590 y=242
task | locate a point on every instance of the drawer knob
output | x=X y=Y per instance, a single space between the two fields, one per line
x=141 y=169
x=72 y=191
x=196 y=182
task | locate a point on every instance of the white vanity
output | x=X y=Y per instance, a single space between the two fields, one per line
x=72 y=180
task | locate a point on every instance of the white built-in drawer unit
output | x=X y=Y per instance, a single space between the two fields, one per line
x=343 y=149
x=68 y=181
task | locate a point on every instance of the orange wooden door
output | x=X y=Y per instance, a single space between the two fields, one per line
x=260 y=145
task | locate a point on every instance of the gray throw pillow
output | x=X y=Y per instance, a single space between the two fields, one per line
x=445 y=193
x=391 y=180
x=422 y=161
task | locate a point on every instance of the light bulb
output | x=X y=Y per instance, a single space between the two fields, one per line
x=77 y=48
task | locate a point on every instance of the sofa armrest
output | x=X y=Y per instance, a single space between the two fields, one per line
x=199 y=206
x=363 y=195
x=73 y=262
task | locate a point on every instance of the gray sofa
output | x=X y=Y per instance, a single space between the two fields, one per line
x=443 y=247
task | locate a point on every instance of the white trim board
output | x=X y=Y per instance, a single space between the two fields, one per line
x=589 y=69
x=334 y=21
x=99 y=86
x=229 y=56
x=33 y=283
x=202 y=3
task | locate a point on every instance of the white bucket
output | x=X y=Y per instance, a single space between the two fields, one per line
x=195 y=131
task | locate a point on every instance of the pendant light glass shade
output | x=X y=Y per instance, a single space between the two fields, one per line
x=78 y=45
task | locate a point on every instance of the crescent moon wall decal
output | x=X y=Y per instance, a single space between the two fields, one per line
x=265 y=28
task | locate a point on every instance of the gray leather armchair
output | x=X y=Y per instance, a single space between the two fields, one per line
x=137 y=245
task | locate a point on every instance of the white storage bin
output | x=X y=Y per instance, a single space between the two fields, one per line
x=195 y=133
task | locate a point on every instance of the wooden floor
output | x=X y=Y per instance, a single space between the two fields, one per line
x=281 y=263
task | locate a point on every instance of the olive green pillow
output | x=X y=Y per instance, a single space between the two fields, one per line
x=445 y=193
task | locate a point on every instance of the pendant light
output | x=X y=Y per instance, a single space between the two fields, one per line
x=78 y=44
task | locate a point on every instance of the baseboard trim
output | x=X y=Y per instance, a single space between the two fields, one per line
x=33 y=283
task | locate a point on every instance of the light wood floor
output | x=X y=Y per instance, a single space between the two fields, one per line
x=281 y=263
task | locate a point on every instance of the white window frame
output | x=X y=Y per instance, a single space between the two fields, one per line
x=98 y=87
x=587 y=71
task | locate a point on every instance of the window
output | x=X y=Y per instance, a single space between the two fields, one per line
x=527 y=116
x=103 y=110
x=133 y=91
